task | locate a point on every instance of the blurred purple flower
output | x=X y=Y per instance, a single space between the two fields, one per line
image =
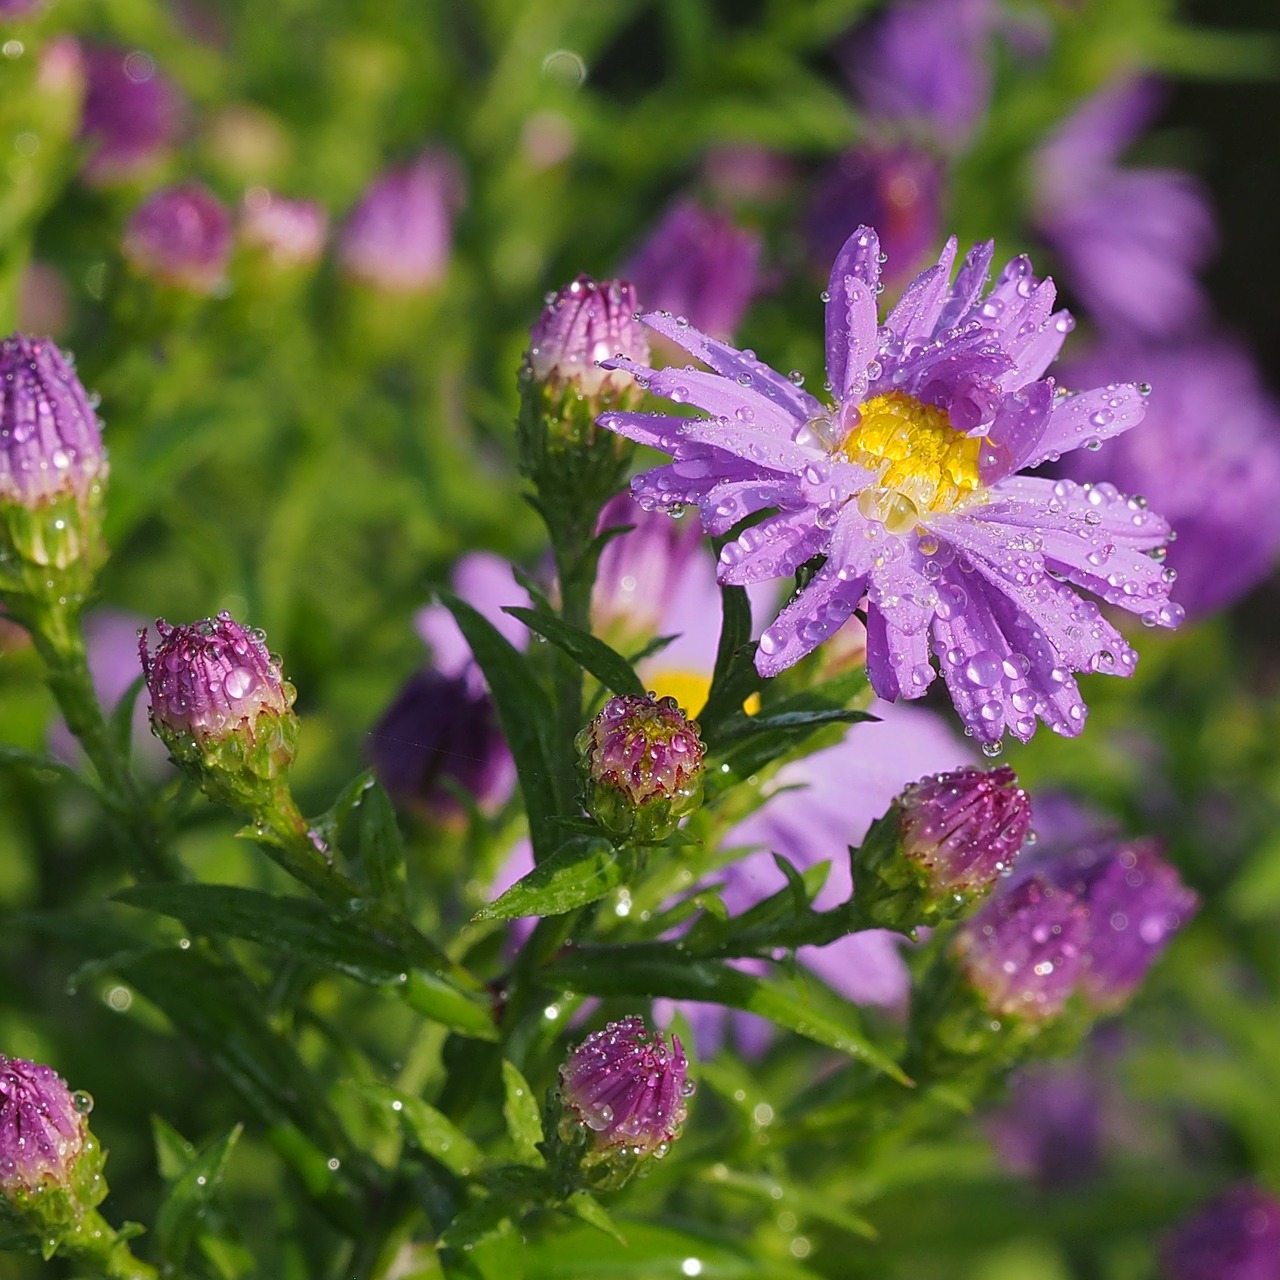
x=1234 y=1237
x=1208 y=457
x=1049 y=1128
x=14 y=9
x=896 y=189
x=746 y=171
x=908 y=484
x=399 y=235
x=1130 y=240
x=133 y=115
x=181 y=236
x=43 y=300
x=925 y=65
x=699 y=264
x=291 y=232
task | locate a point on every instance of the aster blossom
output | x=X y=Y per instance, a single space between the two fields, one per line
x=907 y=483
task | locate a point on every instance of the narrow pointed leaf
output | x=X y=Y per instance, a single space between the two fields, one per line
x=610 y=668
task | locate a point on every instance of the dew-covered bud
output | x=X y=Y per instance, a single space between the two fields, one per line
x=399 y=236
x=1235 y=1237
x=181 y=236
x=586 y=322
x=943 y=844
x=50 y=1164
x=52 y=473
x=626 y=1091
x=641 y=760
x=222 y=707
x=289 y=233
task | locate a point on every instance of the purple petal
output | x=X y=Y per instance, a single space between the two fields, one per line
x=916 y=315
x=898 y=663
x=1089 y=415
x=969 y=283
x=851 y=310
x=774 y=548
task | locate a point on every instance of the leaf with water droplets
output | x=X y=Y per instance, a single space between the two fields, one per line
x=593 y=655
x=523 y=1115
x=184 y=1214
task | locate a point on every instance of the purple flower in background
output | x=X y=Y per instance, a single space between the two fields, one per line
x=133 y=115
x=896 y=189
x=1208 y=457
x=627 y=1088
x=1234 y=1237
x=291 y=232
x=50 y=437
x=1130 y=240
x=42 y=1130
x=699 y=264
x=925 y=65
x=181 y=236
x=586 y=322
x=398 y=237
x=14 y=9
x=1136 y=903
x=746 y=171
x=1050 y=1126
x=907 y=485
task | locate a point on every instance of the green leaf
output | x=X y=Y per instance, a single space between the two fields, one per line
x=735 y=677
x=523 y=1115
x=381 y=847
x=432 y=1132
x=526 y=716
x=582 y=1204
x=120 y=723
x=308 y=930
x=17 y=758
x=593 y=655
x=581 y=871
x=795 y=1000
x=179 y=1219
x=173 y=1152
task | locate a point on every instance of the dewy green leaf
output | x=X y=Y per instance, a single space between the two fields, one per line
x=523 y=1115
x=180 y=1218
x=610 y=668
x=381 y=848
x=582 y=1204
x=734 y=678
x=429 y=1130
x=526 y=715
x=581 y=871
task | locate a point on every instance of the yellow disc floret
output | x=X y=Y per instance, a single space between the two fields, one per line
x=920 y=461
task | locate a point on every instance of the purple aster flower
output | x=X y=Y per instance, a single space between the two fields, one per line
x=586 y=322
x=133 y=115
x=897 y=189
x=1130 y=240
x=627 y=1088
x=925 y=63
x=290 y=232
x=440 y=733
x=50 y=437
x=641 y=763
x=907 y=484
x=1234 y=1237
x=699 y=264
x=42 y=1129
x=1135 y=902
x=181 y=236
x=15 y=9
x=746 y=171
x=1220 y=488
x=398 y=237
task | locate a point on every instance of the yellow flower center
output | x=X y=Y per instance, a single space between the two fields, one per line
x=689 y=689
x=920 y=461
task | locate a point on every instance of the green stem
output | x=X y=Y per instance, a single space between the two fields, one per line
x=97 y=1244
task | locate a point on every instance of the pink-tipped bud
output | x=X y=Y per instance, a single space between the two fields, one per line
x=642 y=765
x=290 y=233
x=627 y=1090
x=181 y=236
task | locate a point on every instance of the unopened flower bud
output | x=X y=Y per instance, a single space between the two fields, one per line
x=642 y=762
x=1234 y=1237
x=626 y=1092
x=50 y=1164
x=222 y=707
x=133 y=115
x=181 y=236
x=943 y=844
x=52 y=472
x=289 y=233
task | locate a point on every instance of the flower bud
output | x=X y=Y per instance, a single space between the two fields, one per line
x=289 y=233
x=50 y=1164
x=181 y=236
x=222 y=707
x=1235 y=1237
x=398 y=237
x=133 y=115
x=52 y=472
x=943 y=844
x=641 y=760
x=626 y=1092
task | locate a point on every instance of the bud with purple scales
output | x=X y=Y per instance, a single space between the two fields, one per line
x=181 y=237
x=642 y=763
x=53 y=470
x=222 y=707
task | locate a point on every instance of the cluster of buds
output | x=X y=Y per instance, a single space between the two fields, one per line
x=943 y=844
x=573 y=464
x=50 y=1164
x=1069 y=942
x=642 y=763
x=623 y=1098
x=52 y=474
x=223 y=709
